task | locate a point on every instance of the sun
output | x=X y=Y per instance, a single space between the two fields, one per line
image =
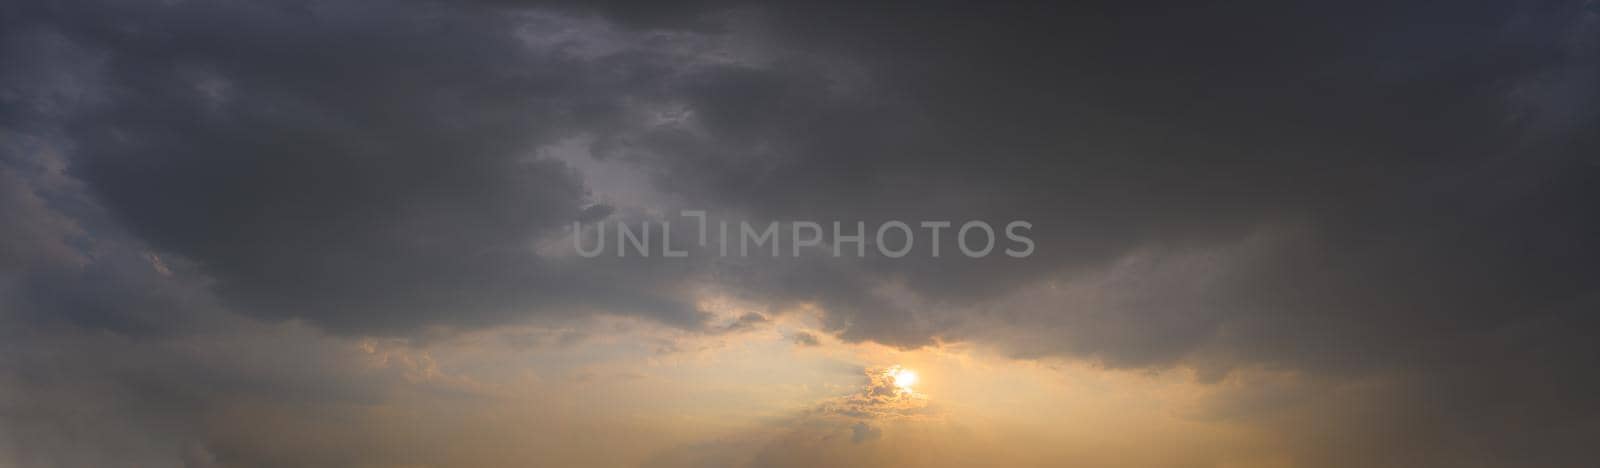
x=903 y=378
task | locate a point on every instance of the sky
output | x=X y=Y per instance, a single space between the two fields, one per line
x=349 y=233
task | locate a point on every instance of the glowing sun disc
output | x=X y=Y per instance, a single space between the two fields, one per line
x=905 y=378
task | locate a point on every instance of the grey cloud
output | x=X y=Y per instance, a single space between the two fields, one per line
x=1371 y=190
x=372 y=170
x=1365 y=191
x=164 y=168
x=806 y=339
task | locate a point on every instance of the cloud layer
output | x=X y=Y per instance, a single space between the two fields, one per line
x=1357 y=193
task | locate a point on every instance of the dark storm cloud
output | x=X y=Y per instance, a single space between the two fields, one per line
x=164 y=166
x=1355 y=189
x=1371 y=189
x=1406 y=150
x=368 y=168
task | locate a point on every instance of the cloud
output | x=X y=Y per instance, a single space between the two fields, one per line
x=879 y=399
x=1284 y=196
x=806 y=339
x=1397 y=193
x=366 y=187
x=836 y=431
x=862 y=432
